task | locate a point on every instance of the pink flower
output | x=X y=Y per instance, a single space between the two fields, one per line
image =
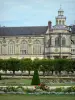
x=34 y=86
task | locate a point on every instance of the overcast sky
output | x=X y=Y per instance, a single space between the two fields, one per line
x=34 y=12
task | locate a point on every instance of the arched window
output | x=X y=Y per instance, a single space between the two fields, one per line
x=24 y=47
x=56 y=22
x=63 y=22
x=63 y=41
x=36 y=47
x=0 y=47
x=11 y=47
x=49 y=42
x=57 y=41
x=59 y=22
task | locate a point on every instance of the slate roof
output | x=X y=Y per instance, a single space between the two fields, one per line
x=73 y=29
x=15 y=31
x=60 y=27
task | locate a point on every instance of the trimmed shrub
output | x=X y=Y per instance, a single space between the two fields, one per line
x=35 y=79
x=58 y=90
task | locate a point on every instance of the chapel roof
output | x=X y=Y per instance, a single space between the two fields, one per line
x=14 y=31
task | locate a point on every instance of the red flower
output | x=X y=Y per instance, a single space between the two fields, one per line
x=34 y=86
x=39 y=84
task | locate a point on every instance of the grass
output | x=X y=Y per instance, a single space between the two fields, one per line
x=15 y=81
x=36 y=97
x=27 y=82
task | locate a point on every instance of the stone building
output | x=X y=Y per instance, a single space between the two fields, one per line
x=56 y=41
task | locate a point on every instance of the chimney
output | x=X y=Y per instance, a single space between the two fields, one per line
x=49 y=25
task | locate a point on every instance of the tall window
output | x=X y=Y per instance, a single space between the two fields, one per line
x=56 y=22
x=36 y=47
x=63 y=41
x=11 y=47
x=57 y=41
x=0 y=47
x=49 y=42
x=63 y=22
x=59 y=22
x=24 y=47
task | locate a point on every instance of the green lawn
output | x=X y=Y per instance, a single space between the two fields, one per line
x=27 y=82
x=37 y=97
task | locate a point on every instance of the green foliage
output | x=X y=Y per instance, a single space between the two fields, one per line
x=59 y=65
x=1 y=64
x=13 y=64
x=35 y=79
x=0 y=77
x=26 y=64
x=36 y=64
x=69 y=89
x=58 y=90
x=45 y=65
x=68 y=66
x=5 y=65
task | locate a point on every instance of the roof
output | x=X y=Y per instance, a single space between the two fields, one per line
x=60 y=27
x=61 y=17
x=73 y=29
x=60 y=10
x=14 y=31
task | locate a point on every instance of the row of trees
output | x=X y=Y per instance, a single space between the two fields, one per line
x=45 y=65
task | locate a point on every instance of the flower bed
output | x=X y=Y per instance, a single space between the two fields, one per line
x=40 y=89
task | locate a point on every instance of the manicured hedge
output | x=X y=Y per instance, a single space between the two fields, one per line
x=44 y=65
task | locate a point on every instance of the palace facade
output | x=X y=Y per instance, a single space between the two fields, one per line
x=56 y=41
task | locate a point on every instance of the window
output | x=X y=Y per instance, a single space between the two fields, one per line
x=29 y=48
x=73 y=50
x=36 y=47
x=59 y=22
x=56 y=57
x=11 y=47
x=63 y=41
x=64 y=57
x=57 y=41
x=56 y=22
x=49 y=42
x=72 y=42
x=63 y=22
x=24 y=47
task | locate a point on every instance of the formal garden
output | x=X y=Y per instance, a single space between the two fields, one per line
x=43 y=79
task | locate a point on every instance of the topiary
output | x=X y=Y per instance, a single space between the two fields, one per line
x=35 y=79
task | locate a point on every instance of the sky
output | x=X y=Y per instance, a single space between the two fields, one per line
x=34 y=12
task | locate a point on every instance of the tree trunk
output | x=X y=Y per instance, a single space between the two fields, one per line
x=29 y=72
x=21 y=72
x=13 y=72
x=44 y=73
x=52 y=72
x=5 y=71
x=0 y=76
x=59 y=72
x=56 y=72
